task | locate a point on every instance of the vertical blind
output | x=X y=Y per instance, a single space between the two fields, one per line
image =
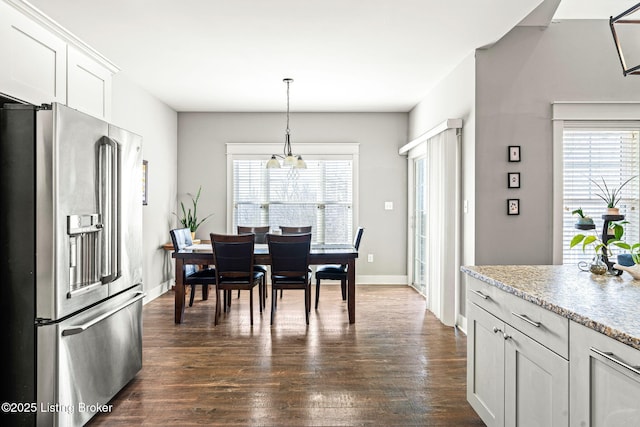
x=320 y=196
x=608 y=152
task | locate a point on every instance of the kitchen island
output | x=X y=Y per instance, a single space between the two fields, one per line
x=552 y=345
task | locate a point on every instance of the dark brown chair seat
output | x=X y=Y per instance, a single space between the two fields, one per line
x=336 y=271
x=260 y=233
x=233 y=257
x=181 y=238
x=290 y=267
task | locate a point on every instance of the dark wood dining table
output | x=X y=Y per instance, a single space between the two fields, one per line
x=202 y=254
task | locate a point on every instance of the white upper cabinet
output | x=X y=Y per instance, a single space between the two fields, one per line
x=34 y=59
x=44 y=63
x=88 y=85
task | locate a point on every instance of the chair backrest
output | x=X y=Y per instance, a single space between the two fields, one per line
x=181 y=238
x=233 y=254
x=289 y=254
x=295 y=230
x=358 y=238
x=260 y=232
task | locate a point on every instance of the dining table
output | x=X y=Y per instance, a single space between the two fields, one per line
x=202 y=254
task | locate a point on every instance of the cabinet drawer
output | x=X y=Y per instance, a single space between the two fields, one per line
x=604 y=380
x=548 y=328
x=487 y=297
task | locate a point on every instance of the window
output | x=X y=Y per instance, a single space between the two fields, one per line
x=324 y=195
x=595 y=151
x=580 y=120
x=320 y=195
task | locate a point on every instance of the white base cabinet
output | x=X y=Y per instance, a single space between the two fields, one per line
x=605 y=380
x=512 y=380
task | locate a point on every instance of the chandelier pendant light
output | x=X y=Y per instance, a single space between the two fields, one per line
x=289 y=158
x=629 y=33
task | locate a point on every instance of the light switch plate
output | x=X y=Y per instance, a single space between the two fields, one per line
x=388 y=206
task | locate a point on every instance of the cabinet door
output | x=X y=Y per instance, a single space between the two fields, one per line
x=33 y=59
x=88 y=85
x=605 y=380
x=485 y=365
x=536 y=383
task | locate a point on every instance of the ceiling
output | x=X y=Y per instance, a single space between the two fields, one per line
x=344 y=55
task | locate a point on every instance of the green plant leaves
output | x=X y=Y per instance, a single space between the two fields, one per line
x=190 y=218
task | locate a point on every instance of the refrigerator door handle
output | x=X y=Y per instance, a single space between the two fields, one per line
x=109 y=199
x=74 y=330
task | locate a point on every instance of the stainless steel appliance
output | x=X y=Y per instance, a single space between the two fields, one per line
x=70 y=263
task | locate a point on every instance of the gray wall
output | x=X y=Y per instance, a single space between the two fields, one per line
x=517 y=79
x=138 y=111
x=382 y=175
x=454 y=98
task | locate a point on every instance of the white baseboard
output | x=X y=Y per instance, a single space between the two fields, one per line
x=381 y=280
x=157 y=291
x=462 y=323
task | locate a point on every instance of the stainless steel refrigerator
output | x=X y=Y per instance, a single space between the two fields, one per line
x=70 y=263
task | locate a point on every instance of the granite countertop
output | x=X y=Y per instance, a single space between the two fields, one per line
x=607 y=304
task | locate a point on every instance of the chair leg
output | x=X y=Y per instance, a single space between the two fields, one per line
x=229 y=297
x=238 y=293
x=264 y=291
x=281 y=293
x=193 y=294
x=317 y=292
x=217 y=313
x=260 y=296
x=343 y=285
x=225 y=295
x=205 y=292
x=250 y=305
x=307 y=303
x=273 y=302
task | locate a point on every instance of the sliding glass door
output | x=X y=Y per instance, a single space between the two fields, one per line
x=433 y=262
x=419 y=191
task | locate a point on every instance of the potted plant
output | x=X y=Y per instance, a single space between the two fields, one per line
x=582 y=218
x=190 y=217
x=633 y=267
x=598 y=264
x=610 y=196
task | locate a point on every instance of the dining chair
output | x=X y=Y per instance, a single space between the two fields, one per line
x=337 y=271
x=260 y=233
x=290 y=267
x=294 y=230
x=181 y=238
x=233 y=257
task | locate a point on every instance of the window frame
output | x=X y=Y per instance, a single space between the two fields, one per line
x=319 y=151
x=566 y=114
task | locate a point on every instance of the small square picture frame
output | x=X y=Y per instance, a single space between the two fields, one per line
x=514 y=153
x=513 y=180
x=513 y=206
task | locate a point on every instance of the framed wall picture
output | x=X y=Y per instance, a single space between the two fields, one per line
x=514 y=153
x=513 y=180
x=513 y=206
x=145 y=182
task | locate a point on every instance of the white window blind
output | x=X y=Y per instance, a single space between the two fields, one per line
x=594 y=152
x=320 y=196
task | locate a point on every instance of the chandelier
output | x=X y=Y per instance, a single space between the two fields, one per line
x=289 y=159
x=630 y=36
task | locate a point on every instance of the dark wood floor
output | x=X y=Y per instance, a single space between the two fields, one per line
x=397 y=366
